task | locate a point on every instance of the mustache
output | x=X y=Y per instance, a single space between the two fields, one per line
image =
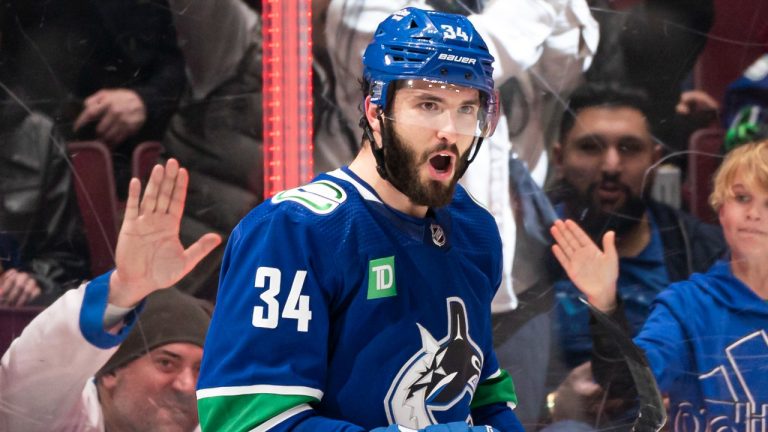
x=443 y=146
x=181 y=403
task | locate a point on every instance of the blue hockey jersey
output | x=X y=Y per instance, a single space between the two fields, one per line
x=706 y=342
x=337 y=312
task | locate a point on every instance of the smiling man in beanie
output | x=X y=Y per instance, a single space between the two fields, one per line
x=150 y=380
x=120 y=353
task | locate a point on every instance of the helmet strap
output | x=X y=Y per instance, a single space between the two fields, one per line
x=378 y=152
x=475 y=149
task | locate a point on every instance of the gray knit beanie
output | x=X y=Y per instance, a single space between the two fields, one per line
x=169 y=316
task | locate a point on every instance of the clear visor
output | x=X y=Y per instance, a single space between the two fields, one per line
x=445 y=108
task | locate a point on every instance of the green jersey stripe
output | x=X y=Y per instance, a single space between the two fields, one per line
x=246 y=412
x=499 y=388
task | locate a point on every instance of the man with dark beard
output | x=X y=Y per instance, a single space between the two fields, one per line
x=361 y=301
x=605 y=160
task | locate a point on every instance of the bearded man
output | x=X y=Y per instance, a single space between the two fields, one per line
x=605 y=158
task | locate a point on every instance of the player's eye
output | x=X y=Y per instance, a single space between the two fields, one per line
x=429 y=106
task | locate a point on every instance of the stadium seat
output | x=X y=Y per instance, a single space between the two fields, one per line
x=144 y=157
x=94 y=182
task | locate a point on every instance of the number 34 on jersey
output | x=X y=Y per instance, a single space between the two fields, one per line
x=296 y=305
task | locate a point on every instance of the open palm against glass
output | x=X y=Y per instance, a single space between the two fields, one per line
x=593 y=271
x=149 y=254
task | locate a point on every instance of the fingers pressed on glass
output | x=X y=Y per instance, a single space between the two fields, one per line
x=132 y=204
x=179 y=195
x=167 y=186
x=149 y=201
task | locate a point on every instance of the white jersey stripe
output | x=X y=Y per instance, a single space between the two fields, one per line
x=364 y=192
x=283 y=416
x=259 y=389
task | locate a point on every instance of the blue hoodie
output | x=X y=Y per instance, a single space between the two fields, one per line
x=706 y=342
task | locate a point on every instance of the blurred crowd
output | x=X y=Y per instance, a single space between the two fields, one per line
x=610 y=118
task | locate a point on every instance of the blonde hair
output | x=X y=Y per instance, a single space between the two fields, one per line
x=750 y=162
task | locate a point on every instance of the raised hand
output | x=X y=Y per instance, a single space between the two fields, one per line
x=149 y=253
x=593 y=271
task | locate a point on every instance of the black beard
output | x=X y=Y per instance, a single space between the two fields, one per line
x=584 y=210
x=402 y=166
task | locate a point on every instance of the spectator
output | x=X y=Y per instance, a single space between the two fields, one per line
x=744 y=106
x=42 y=247
x=107 y=70
x=145 y=363
x=605 y=161
x=653 y=45
x=705 y=339
x=217 y=131
x=387 y=318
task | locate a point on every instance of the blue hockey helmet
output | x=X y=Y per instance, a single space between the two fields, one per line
x=434 y=46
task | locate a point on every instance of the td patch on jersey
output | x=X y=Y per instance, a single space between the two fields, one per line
x=437 y=383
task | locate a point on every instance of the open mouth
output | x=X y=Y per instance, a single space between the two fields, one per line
x=441 y=162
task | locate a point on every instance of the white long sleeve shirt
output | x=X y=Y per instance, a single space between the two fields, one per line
x=46 y=375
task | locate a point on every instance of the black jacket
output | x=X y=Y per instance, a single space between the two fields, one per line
x=39 y=219
x=56 y=53
x=690 y=245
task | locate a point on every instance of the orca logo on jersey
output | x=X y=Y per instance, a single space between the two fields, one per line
x=437 y=383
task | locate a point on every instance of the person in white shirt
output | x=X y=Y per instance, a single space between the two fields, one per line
x=111 y=355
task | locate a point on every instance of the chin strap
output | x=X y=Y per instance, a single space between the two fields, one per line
x=378 y=152
x=475 y=149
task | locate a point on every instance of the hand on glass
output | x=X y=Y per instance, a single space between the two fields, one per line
x=149 y=253
x=593 y=271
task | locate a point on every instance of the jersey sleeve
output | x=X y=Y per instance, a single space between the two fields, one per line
x=266 y=352
x=45 y=370
x=660 y=339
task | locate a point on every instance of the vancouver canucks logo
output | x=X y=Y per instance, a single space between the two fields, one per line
x=440 y=377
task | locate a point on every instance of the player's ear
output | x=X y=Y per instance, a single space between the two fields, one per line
x=372 y=112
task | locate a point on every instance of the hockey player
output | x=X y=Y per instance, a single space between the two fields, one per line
x=362 y=300
x=706 y=338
